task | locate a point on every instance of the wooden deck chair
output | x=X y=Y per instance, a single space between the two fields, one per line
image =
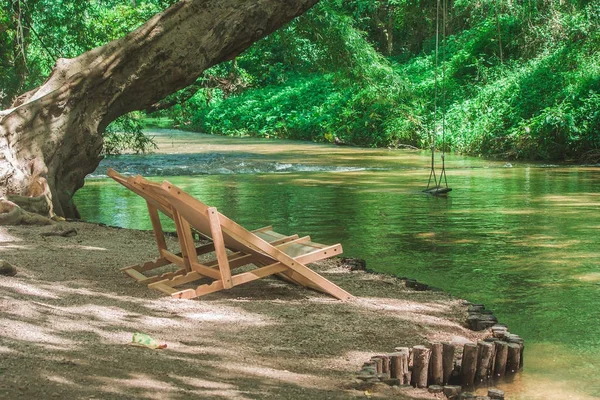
x=155 y=203
x=271 y=252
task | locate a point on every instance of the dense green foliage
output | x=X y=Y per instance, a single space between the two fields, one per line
x=35 y=33
x=520 y=79
x=515 y=79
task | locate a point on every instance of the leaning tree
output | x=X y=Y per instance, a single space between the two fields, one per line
x=51 y=137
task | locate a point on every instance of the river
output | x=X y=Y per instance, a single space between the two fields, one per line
x=522 y=238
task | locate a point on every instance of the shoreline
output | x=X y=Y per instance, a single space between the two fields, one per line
x=70 y=314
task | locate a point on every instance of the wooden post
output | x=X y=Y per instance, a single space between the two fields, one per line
x=399 y=366
x=448 y=361
x=484 y=361
x=469 y=364
x=501 y=357
x=514 y=358
x=378 y=363
x=385 y=367
x=517 y=339
x=436 y=366
x=420 y=366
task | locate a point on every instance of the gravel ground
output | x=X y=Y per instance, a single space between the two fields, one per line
x=67 y=319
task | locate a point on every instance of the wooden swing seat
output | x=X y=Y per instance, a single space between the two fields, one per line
x=438 y=191
x=265 y=251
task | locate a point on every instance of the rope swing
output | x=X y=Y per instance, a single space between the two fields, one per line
x=437 y=189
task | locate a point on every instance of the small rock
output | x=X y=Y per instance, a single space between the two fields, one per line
x=355 y=264
x=514 y=339
x=460 y=340
x=379 y=386
x=476 y=308
x=479 y=322
x=368 y=371
x=7 y=269
x=496 y=394
x=451 y=391
x=483 y=325
x=410 y=283
x=435 y=389
x=498 y=332
x=392 y=382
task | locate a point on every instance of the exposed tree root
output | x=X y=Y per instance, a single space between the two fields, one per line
x=12 y=214
x=63 y=233
x=7 y=269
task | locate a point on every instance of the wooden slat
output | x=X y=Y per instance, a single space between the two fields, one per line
x=164 y=288
x=259 y=273
x=279 y=255
x=162 y=277
x=179 y=280
x=174 y=259
x=161 y=262
x=280 y=267
x=187 y=240
x=237 y=259
x=138 y=276
x=182 y=228
x=217 y=235
x=184 y=294
x=264 y=228
x=129 y=182
x=204 y=270
x=200 y=291
x=205 y=248
x=156 y=227
x=242 y=259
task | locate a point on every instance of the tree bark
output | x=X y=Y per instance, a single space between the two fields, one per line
x=51 y=138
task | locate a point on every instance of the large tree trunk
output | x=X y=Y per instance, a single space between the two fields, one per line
x=52 y=137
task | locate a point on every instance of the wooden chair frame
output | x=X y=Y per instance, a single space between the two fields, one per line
x=271 y=252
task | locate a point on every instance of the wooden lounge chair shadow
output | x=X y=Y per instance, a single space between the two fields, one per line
x=265 y=250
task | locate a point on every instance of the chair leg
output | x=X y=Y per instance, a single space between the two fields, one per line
x=217 y=235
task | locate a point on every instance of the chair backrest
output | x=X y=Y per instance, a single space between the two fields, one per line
x=167 y=197
x=195 y=213
x=142 y=187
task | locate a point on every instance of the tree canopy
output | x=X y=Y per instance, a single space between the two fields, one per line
x=521 y=79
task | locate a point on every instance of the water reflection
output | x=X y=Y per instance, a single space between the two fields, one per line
x=522 y=240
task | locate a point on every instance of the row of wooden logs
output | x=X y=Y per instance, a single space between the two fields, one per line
x=440 y=364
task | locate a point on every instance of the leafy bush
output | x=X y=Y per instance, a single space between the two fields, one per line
x=515 y=79
x=125 y=135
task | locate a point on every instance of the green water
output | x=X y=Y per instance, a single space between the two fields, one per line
x=522 y=239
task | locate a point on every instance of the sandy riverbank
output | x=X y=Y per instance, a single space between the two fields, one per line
x=69 y=314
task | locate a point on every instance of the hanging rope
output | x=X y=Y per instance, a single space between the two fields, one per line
x=436 y=188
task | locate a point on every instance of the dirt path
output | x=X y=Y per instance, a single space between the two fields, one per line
x=67 y=317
